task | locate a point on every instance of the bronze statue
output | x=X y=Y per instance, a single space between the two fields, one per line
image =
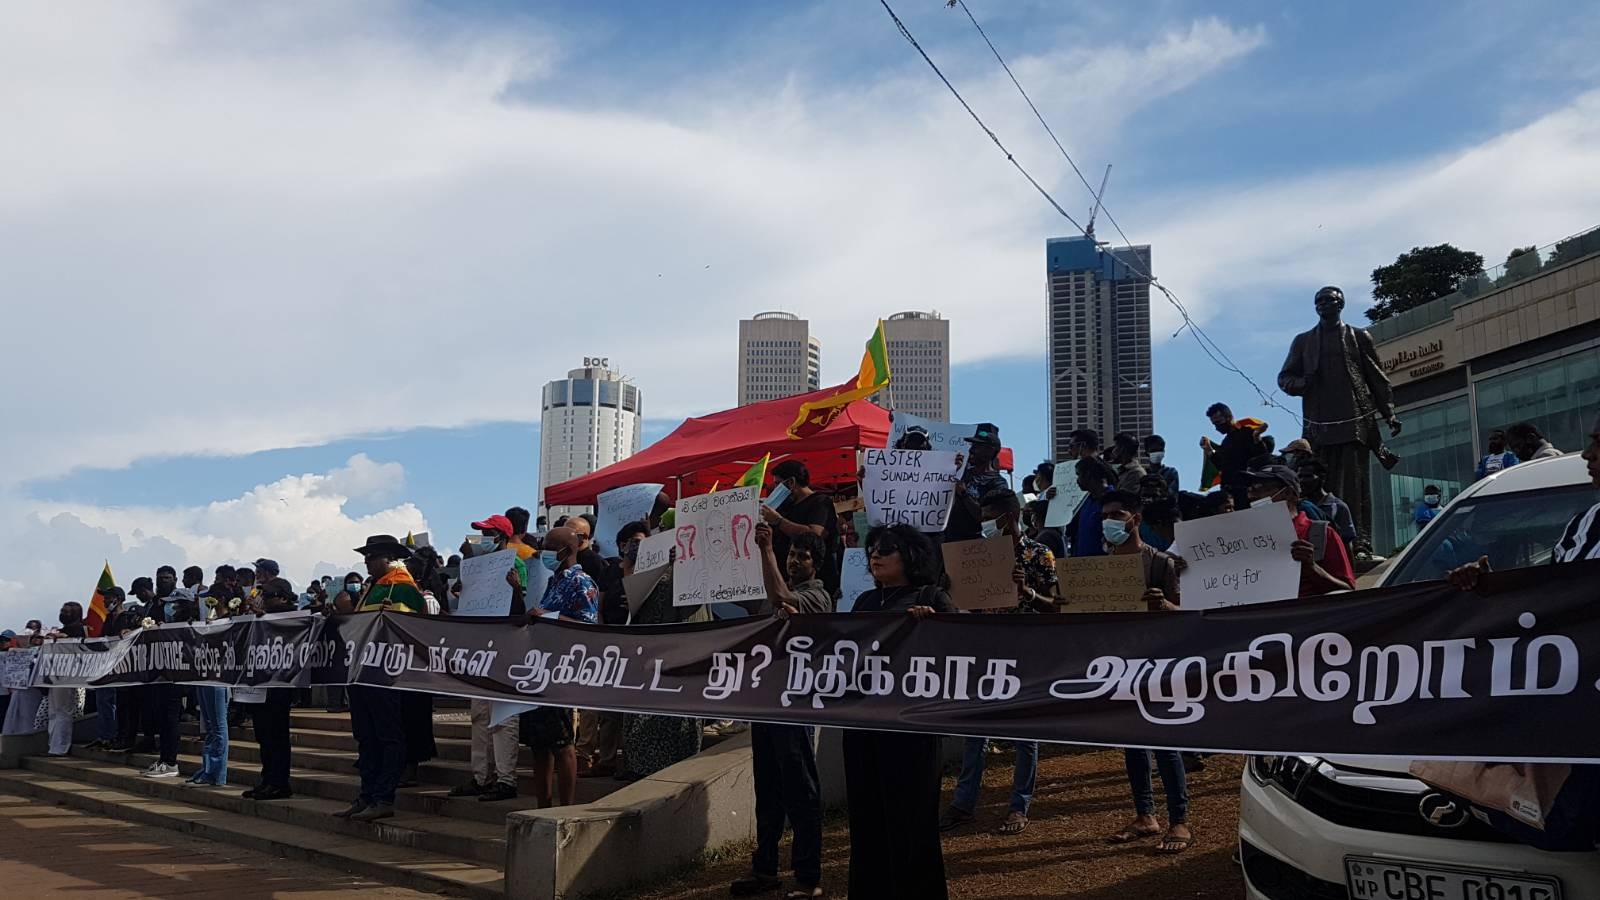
x=1334 y=369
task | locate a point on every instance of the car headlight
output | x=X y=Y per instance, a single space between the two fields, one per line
x=1286 y=773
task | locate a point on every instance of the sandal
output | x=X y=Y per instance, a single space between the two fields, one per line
x=804 y=893
x=1172 y=845
x=1016 y=823
x=753 y=884
x=954 y=818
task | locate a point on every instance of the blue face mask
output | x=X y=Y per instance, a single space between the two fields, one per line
x=1115 y=531
x=1431 y=499
x=1156 y=456
x=550 y=559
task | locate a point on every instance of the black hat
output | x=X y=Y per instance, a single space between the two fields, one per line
x=385 y=544
x=1276 y=475
x=985 y=433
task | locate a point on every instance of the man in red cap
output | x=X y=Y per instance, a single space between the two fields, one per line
x=494 y=747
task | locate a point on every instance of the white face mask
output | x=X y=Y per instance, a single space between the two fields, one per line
x=1157 y=456
x=1264 y=501
x=991 y=528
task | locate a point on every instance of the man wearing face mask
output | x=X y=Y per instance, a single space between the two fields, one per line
x=1324 y=574
x=64 y=702
x=494 y=747
x=549 y=731
x=169 y=604
x=1432 y=501
x=1155 y=450
x=982 y=476
x=350 y=589
x=804 y=512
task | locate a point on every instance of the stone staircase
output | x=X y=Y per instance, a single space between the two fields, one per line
x=434 y=842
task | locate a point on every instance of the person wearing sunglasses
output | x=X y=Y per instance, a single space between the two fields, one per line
x=892 y=779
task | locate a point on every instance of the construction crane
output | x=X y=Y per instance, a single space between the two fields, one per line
x=1088 y=230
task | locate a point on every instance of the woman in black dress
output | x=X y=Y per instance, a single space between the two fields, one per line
x=892 y=779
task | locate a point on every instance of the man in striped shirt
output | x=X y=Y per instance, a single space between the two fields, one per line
x=1580 y=540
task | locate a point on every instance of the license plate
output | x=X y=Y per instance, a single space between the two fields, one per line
x=1381 y=879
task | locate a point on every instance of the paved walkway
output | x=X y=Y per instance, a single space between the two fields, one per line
x=53 y=851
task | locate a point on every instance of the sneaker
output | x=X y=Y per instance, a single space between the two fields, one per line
x=95 y=744
x=499 y=791
x=273 y=792
x=374 y=812
x=197 y=778
x=161 y=770
x=351 y=810
x=470 y=789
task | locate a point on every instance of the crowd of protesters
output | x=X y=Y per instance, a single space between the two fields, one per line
x=1130 y=502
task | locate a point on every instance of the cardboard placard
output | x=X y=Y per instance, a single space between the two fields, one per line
x=1094 y=584
x=1238 y=558
x=718 y=561
x=618 y=507
x=980 y=572
x=484 y=589
x=855 y=578
x=909 y=487
x=637 y=587
x=16 y=668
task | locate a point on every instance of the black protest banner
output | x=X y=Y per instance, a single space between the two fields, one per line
x=1421 y=671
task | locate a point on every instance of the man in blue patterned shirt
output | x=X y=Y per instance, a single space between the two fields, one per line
x=549 y=730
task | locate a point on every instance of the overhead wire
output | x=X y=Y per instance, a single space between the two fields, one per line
x=1214 y=351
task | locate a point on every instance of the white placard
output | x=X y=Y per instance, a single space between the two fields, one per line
x=655 y=551
x=1064 y=502
x=855 y=578
x=16 y=668
x=538 y=579
x=910 y=487
x=718 y=560
x=484 y=589
x=1238 y=558
x=618 y=507
x=946 y=436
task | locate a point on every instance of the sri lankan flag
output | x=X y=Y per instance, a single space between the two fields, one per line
x=874 y=375
x=94 y=620
x=1210 y=475
x=757 y=476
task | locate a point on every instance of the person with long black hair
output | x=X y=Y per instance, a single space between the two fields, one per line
x=892 y=778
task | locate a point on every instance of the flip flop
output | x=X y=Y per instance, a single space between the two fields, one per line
x=1174 y=845
x=1129 y=835
x=816 y=893
x=954 y=818
x=1014 y=824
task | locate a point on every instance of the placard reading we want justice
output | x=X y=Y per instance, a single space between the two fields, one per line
x=909 y=487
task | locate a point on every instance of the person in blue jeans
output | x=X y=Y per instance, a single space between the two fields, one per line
x=965 y=802
x=1120 y=519
x=213 y=702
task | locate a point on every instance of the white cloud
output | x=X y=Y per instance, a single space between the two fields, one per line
x=52 y=552
x=272 y=226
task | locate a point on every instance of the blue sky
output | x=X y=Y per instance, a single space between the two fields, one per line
x=405 y=217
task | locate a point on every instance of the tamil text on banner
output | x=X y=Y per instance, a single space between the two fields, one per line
x=618 y=507
x=1411 y=672
x=981 y=572
x=484 y=588
x=1238 y=558
x=1093 y=584
x=909 y=487
x=718 y=560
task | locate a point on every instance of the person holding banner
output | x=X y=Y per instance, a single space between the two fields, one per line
x=892 y=778
x=1120 y=519
x=65 y=702
x=374 y=711
x=783 y=757
x=549 y=731
x=270 y=717
x=1035 y=577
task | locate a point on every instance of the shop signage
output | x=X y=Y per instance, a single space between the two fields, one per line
x=1421 y=351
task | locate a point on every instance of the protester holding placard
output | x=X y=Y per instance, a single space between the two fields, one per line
x=494 y=747
x=1321 y=573
x=892 y=778
x=981 y=477
x=1035 y=577
x=550 y=731
x=783 y=757
x=1095 y=479
x=804 y=512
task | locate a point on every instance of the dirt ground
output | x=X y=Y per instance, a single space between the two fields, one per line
x=1080 y=798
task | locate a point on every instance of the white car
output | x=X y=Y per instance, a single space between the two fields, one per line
x=1332 y=828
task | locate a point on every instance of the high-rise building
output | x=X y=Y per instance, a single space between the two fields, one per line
x=588 y=420
x=1099 y=353
x=919 y=364
x=778 y=357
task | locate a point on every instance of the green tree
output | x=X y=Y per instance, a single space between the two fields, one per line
x=1423 y=274
x=1521 y=263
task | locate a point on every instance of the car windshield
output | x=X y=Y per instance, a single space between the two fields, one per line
x=1513 y=530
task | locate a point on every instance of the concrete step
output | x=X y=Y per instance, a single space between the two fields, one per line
x=449 y=748
x=393 y=863
x=446 y=724
x=481 y=841
x=342 y=783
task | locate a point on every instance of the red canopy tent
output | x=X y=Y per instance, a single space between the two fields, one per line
x=724 y=445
